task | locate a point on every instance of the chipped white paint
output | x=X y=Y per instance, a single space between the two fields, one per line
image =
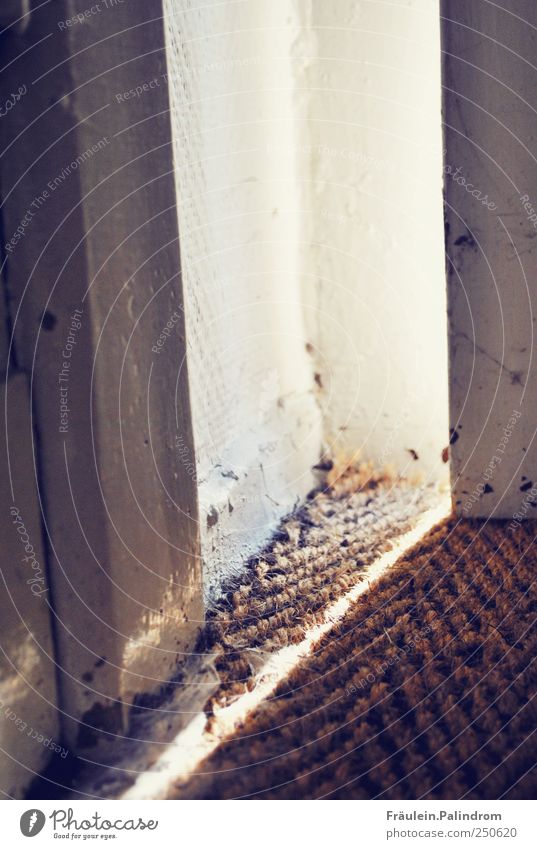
x=308 y=152
x=256 y=422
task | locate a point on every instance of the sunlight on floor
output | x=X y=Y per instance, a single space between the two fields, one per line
x=193 y=744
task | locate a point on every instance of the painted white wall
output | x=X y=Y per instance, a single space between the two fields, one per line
x=491 y=210
x=308 y=155
x=257 y=424
x=28 y=695
x=373 y=259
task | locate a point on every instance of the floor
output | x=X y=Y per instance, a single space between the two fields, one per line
x=375 y=649
x=425 y=690
x=322 y=558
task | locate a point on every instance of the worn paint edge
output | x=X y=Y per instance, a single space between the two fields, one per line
x=195 y=743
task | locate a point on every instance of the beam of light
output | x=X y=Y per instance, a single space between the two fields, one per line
x=194 y=743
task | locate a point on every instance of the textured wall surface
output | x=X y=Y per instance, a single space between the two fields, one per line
x=294 y=149
x=368 y=76
x=256 y=420
x=29 y=726
x=491 y=210
x=308 y=151
x=94 y=281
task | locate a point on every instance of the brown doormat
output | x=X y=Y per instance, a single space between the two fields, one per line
x=317 y=555
x=425 y=689
x=329 y=547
